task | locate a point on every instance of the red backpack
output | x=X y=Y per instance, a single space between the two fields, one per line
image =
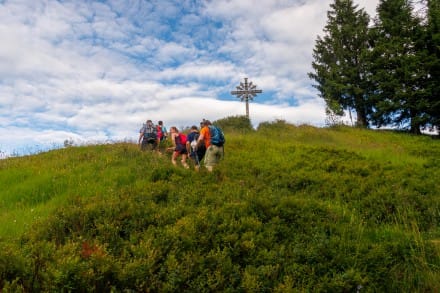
x=182 y=138
x=159 y=132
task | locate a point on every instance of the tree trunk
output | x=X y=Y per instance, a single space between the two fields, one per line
x=361 y=120
x=415 y=127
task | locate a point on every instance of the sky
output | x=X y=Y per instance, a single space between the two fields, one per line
x=94 y=71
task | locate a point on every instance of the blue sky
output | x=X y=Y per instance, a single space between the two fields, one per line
x=91 y=71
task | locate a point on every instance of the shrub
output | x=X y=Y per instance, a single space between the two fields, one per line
x=238 y=124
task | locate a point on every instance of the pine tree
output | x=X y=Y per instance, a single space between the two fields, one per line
x=432 y=42
x=399 y=98
x=339 y=64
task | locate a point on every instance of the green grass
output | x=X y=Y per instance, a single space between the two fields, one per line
x=290 y=208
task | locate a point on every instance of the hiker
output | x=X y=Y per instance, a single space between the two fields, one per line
x=213 y=139
x=164 y=132
x=162 y=135
x=195 y=153
x=179 y=146
x=148 y=136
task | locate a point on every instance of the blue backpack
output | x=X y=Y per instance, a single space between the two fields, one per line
x=217 y=136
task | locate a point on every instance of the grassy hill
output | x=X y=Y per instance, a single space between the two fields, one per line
x=290 y=208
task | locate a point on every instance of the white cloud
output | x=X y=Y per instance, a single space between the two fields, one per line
x=200 y=70
x=288 y=24
x=368 y=5
x=92 y=70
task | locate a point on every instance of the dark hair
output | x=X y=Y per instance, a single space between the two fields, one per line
x=194 y=127
x=160 y=122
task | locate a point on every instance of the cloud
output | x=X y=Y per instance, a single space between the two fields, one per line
x=96 y=70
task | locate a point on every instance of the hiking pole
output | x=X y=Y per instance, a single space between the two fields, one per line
x=193 y=147
x=197 y=157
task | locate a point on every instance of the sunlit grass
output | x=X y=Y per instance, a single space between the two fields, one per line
x=290 y=206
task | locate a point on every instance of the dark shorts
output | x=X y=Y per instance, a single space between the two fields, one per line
x=149 y=143
x=181 y=150
x=199 y=154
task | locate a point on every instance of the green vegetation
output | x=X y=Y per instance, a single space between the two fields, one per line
x=290 y=208
x=386 y=68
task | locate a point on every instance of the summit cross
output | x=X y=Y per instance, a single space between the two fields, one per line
x=245 y=92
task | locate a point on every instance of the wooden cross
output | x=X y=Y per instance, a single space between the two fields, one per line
x=246 y=91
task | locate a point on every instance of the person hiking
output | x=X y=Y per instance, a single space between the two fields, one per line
x=196 y=154
x=179 y=147
x=213 y=139
x=164 y=132
x=148 y=136
x=162 y=135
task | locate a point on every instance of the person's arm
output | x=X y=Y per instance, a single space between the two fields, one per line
x=141 y=134
x=201 y=139
x=188 y=146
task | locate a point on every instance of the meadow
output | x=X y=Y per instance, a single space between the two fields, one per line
x=289 y=209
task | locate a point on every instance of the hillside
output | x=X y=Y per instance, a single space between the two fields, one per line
x=290 y=208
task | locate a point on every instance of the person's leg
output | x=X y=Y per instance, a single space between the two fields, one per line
x=216 y=156
x=160 y=147
x=196 y=161
x=209 y=158
x=174 y=157
x=201 y=153
x=150 y=145
x=220 y=153
x=184 y=158
x=143 y=145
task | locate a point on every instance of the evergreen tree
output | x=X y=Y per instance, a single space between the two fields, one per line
x=397 y=67
x=432 y=42
x=339 y=64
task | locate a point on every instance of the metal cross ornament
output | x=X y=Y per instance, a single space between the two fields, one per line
x=245 y=92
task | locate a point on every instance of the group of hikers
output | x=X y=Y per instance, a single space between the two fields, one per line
x=201 y=145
